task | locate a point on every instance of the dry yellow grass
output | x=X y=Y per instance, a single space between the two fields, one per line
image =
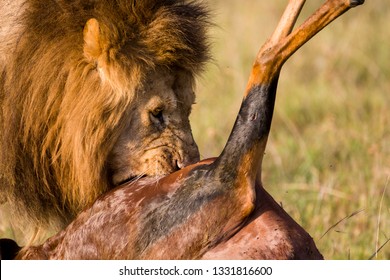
x=328 y=155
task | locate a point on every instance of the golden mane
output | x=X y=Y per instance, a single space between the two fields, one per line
x=59 y=116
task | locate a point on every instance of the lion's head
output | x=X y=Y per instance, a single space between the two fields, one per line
x=94 y=93
x=163 y=141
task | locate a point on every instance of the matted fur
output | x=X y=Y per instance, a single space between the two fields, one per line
x=63 y=110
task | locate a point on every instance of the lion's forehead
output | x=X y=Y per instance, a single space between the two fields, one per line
x=166 y=90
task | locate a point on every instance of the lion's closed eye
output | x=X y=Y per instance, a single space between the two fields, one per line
x=157 y=116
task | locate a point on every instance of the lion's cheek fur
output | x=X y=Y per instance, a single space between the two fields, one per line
x=166 y=154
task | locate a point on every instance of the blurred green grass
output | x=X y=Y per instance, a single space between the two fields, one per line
x=328 y=154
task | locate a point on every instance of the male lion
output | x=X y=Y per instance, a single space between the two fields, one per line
x=93 y=93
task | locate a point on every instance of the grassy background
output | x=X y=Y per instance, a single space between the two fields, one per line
x=328 y=155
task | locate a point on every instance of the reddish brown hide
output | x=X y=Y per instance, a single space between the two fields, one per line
x=217 y=208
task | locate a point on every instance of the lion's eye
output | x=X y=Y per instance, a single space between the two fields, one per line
x=157 y=116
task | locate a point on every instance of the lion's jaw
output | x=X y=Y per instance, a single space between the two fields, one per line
x=157 y=139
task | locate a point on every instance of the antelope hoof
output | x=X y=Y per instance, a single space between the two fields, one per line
x=355 y=3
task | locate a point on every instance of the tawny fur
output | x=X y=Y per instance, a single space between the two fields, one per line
x=72 y=89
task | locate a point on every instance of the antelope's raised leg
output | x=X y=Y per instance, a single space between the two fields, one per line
x=284 y=42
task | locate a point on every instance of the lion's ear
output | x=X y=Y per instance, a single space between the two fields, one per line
x=92 y=47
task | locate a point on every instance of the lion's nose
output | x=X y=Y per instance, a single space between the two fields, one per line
x=192 y=156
